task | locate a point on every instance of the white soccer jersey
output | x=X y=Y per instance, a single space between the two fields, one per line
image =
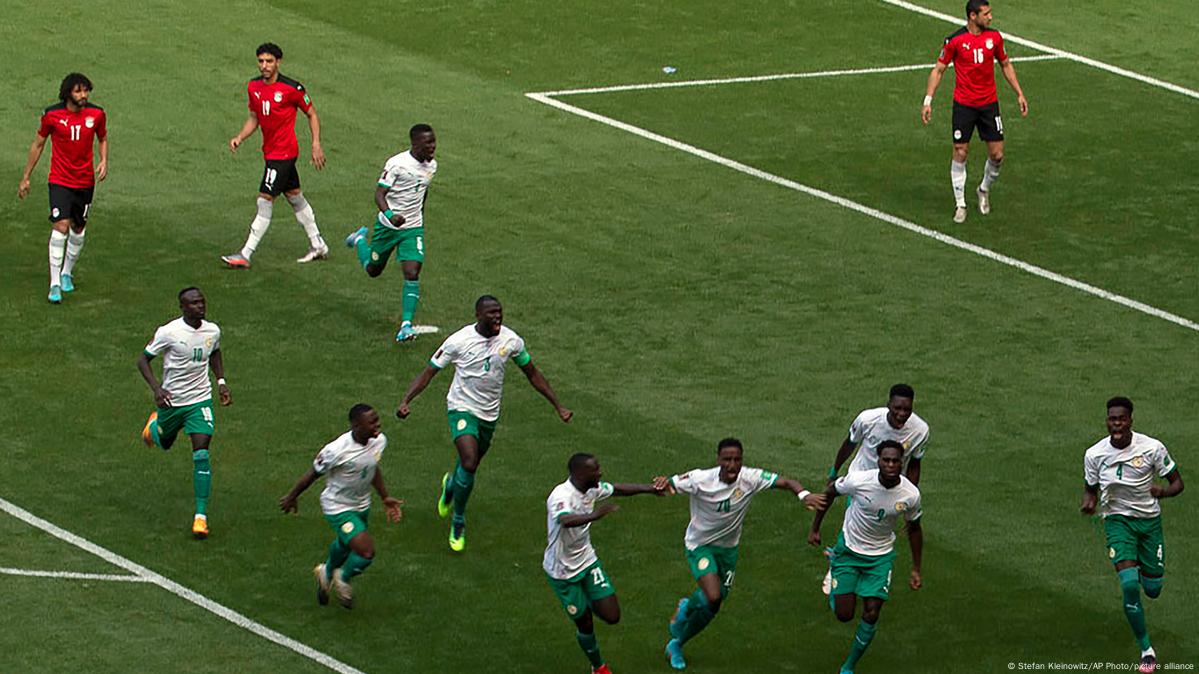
x=185 y=352
x=407 y=180
x=869 y=526
x=1124 y=476
x=478 y=368
x=348 y=468
x=870 y=429
x=718 y=509
x=568 y=550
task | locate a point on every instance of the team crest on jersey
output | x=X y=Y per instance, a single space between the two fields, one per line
x=900 y=506
x=503 y=352
x=278 y=96
x=1138 y=462
x=990 y=44
x=89 y=122
x=208 y=343
x=737 y=493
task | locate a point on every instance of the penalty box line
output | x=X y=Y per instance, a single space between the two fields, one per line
x=176 y=589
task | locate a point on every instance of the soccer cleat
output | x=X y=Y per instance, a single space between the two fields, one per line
x=68 y=283
x=200 y=527
x=677 y=619
x=984 y=201
x=674 y=653
x=236 y=261
x=353 y=238
x=321 y=253
x=322 y=584
x=406 y=333
x=444 y=505
x=55 y=295
x=147 y=436
x=1148 y=663
x=345 y=593
x=458 y=543
x=826 y=585
x=602 y=669
x=959 y=214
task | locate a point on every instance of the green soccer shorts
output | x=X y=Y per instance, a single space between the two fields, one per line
x=715 y=559
x=193 y=418
x=1138 y=539
x=465 y=423
x=408 y=244
x=348 y=524
x=577 y=594
x=863 y=575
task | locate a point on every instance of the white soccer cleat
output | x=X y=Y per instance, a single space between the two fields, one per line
x=959 y=214
x=984 y=201
x=321 y=253
x=826 y=585
x=345 y=593
x=322 y=584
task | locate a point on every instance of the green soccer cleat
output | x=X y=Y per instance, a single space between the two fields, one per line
x=674 y=653
x=444 y=504
x=458 y=543
x=55 y=295
x=68 y=283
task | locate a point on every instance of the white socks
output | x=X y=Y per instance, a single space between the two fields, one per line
x=990 y=174
x=258 y=227
x=957 y=176
x=74 y=246
x=58 y=242
x=307 y=219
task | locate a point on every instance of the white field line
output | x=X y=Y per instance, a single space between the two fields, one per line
x=763 y=78
x=1116 y=70
x=72 y=575
x=872 y=212
x=176 y=589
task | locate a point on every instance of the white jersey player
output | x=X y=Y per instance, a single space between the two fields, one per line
x=872 y=427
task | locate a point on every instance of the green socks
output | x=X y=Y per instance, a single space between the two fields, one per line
x=590 y=646
x=154 y=433
x=337 y=557
x=354 y=565
x=411 y=298
x=699 y=613
x=1131 y=589
x=202 y=479
x=861 y=641
x=464 y=482
x=364 y=252
x=1153 y=586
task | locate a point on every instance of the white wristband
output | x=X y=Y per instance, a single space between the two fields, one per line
x=928 y=100
x=803 y=494
x=220 y=381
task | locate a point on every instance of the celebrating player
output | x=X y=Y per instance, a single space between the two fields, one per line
x=74 y=124
x=273 y=103
x=400 y=226
x=973 y=51
x=865 y=552
x=720 y=498
x=571 y=565
x=1121 y=468
x=351 y=466
x=184 y=399
x=479 y=353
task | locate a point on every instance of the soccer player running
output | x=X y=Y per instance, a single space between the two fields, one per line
x=350 y=464
x=74 y=125
x=865 y=552
x=570 y=563
x=190 y=346
x=1119 y=473
x=720 y=497
x=273 y=100
x=479 y=353
x=400 y=196
x=973 y=51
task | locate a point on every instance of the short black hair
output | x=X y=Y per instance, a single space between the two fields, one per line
x=890 y=444
x=975 y=6
x=729 y=442
x=577 y=460
x=270 y=48
x=358 y=410
x=69 y=83
x=485 y=298
x=903 y=391
x=1120 y=401
x=418 y=129
x=188 y=290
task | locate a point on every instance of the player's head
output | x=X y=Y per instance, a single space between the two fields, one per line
x=75 y=89
x=489 y=315
x=729 y=454
x=978 y=12
x=269 y=55
x=192 y=303
x=424 y=142
x=584 y=470
x=890 y=459
x=1119 y=420
x=899 y=405
x=364 y=422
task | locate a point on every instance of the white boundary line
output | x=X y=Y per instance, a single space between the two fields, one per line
x=72 y=575
x=872 y=212
x=175 y=588
x=764 y=78
x=1116 y=70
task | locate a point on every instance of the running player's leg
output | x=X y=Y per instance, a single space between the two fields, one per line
x=871 y=606
x=60 y=223
x=411 y=254
x=201 y=482
x=81 y=204
x=1151 y=557
x=602 y=602
x=317 y=249
x=462 y=482
x=362 y=553
x=1123 y=553
x=268 y=189
x=703 y=605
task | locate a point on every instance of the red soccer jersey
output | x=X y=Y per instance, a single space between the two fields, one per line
x=275 y=107
x=71 y=136
x=973 y=57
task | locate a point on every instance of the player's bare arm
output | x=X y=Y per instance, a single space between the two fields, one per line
x=934 y=81
x=217 y=362
x=162 y=397
x=916 y=540
x=659 y=487
x=314 y=125
x=830 y=494
x=1173 y=486
x=288 y=503
x=102 y=167
x=381 y=202
x=913 y=470
x=35 y=153
x=391 y=504
x=543 y=387
x=414 y=389
x=579 y=519
x=1090 y=498
x=811 y=501
x=843 y=454
x=1009 y=74
x=246 y=129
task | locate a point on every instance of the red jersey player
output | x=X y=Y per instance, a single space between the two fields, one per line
x=273 y=100
x=74 y=125
x=973 y=51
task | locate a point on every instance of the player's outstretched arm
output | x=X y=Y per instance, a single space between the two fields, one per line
x=659 y=487
x=35 y=153
x=577 y=520
x=288 y=503
x=543 y=387
x=934 y=81
x=916 y=540
x=390 y=504
x=1009 y=74
x=246 y=129
x=843 y=454
x=1090 y=498
x=830 y=493
x=162 y=398
x=1173 y=486
x=422 y=380
x=217 y=363
x=314 y=125
x=810 y=500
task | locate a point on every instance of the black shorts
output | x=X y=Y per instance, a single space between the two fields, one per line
x=986 y=118
x=279 y=176
x=70 y=203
